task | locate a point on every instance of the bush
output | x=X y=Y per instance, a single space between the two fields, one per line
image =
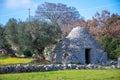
x=111 y=46
x=27 y=53
x=115 y=54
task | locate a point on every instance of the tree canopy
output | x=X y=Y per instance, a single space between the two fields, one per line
x=31 y=36
x=2 y=37
x=59 y=14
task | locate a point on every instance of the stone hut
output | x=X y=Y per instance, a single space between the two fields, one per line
x=79 y=47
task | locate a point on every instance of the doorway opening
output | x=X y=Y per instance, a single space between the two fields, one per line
x=87 y=55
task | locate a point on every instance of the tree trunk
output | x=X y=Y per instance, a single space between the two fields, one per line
x=40 y=55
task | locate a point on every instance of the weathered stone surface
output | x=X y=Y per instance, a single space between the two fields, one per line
x=75 y=45
x=118 y=63
x=50 y=67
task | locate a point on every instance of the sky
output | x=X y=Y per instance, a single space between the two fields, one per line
x=18 y=9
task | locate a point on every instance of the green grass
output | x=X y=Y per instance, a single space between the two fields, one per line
x=6 y=60
x=65 y=75
x=3 y=57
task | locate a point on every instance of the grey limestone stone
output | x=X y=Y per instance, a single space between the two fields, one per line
x=80 y=48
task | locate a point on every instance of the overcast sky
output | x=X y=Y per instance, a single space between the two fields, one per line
x=18 y=9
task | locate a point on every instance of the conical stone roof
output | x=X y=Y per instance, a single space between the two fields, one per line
x=78 y=32
x=81 y=37
x=78 y=38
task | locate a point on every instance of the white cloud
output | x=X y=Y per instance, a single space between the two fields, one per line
x=14 y=4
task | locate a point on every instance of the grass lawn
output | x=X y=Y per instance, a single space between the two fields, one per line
x=5 y=60
x=65 y=75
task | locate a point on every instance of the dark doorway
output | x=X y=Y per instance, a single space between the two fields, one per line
x=87 y=56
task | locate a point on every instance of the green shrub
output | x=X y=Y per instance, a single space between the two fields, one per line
x=115 y=54
x=111 y=46
x=27 y=53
